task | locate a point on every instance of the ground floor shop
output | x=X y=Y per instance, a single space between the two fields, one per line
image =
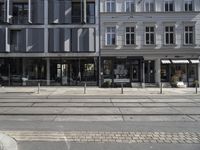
x=131 y=71
x=138 y=71
x=184 y=71
x=48 y=71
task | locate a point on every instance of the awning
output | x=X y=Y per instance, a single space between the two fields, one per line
x=165 y=61
x=194 y=61
x=184 y=61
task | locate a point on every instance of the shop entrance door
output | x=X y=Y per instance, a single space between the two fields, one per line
x=135 y=72
x=149 y=71
x=63 y=74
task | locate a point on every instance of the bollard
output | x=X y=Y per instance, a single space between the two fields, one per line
x=122 y=88
x=85 y=86
x=196 y=87
x=38 y=87
x=161 y=88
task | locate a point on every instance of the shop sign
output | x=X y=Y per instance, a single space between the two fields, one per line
x=121 y=80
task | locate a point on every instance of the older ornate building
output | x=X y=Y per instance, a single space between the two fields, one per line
x=146 y=42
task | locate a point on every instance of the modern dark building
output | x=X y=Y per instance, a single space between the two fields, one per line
x=54 y=42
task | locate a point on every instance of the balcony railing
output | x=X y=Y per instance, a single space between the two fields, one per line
x=91 y=19
x=79 y=19
x=76 y=19
x=16 y=48
x=20 y=20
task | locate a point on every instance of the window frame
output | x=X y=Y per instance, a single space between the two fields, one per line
x=186 y=2
x=169 y=32
x=149 y=2
x=168 y=4
x=189 y=32
x=110 y=3
x=130 y=3
x=150 y=33
x=112 y=34
x=130 y=35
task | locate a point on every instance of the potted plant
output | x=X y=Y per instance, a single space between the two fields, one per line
x=174 y=81
x=196 y=83
x=106 y=84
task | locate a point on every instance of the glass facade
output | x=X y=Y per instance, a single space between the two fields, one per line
x=186 y=73
x=73 y=72
x=31 y=71
x=121 y=70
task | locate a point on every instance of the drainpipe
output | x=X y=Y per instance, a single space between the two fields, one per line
x=199 y=71
x=99 y=26
x=29 y=11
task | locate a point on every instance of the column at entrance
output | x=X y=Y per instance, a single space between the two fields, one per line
x=48 y=71
x=199 y=73
x=23 y=70
x=143 y=74
x=157 y=72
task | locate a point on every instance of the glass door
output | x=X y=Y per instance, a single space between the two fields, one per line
x=149 y=71
x=135 y=73
x=65 y=74
x=62 y=76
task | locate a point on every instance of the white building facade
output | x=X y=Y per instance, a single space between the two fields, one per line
x=149 y=42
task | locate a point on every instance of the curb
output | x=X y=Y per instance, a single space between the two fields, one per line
x=7 y=143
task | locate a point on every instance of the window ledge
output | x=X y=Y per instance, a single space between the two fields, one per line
x=131 y=45
x=170 y=45
x=110 y=46
x=150 y=45
x=189 y=45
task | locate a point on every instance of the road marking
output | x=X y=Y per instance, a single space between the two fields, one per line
x=107 y=137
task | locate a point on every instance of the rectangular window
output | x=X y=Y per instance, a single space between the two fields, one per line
x=129 y=6
x=82 y=40
x=150 y=35
x=91 y=12
x=2 y=11
x=110 y=6
x=188 y=5
x=130 y=36
x=76 y=12
x=189 y=35
x=110 y=36
x=169 y=35
x=169 y=6
x=18 y=40
x=149 y=6
x=20 y=13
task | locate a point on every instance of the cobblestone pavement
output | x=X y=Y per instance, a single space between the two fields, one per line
x=107 y=137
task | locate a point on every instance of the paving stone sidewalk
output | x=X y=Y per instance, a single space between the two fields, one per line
x=108 y=137
x=57 y=91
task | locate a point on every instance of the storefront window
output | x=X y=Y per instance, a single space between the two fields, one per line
x=192 y=74
x=180 y=71
x=89 y=72
x=165 y=73
x=121 y=71
x=107 y=67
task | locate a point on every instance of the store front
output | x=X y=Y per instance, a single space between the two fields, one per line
x=121 y=70
x=22 y=71
x=185 y=71
x=62 y=71
x=73 y=72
